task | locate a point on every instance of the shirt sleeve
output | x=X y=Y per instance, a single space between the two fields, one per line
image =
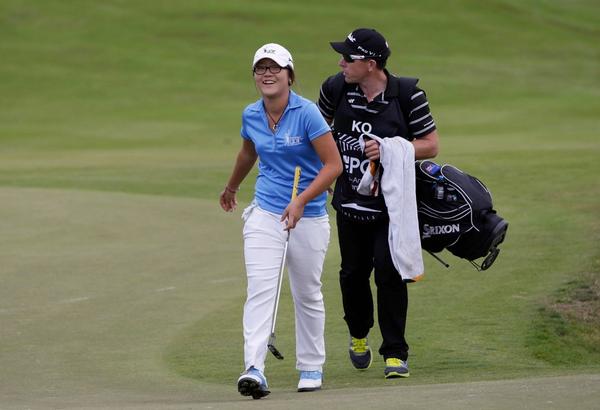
x=326 y=101
x=420 y=120
x=243 y=130
x=315 y=123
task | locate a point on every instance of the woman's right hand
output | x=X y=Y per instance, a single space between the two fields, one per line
x=227 y=200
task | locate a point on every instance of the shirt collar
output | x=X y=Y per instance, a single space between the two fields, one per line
x=389 y=92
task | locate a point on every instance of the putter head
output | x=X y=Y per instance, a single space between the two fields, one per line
x=273 y=349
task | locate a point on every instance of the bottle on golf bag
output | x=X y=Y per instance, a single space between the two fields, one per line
x=456 y=213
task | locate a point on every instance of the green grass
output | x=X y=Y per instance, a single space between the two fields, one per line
x=99 y=101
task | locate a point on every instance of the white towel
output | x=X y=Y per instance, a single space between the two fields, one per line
x=397 y=157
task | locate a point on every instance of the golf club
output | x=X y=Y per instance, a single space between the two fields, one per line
x=271 y=343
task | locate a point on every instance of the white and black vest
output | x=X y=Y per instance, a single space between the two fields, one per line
x=385 y=117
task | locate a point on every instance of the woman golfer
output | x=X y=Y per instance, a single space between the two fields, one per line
x=283 y=130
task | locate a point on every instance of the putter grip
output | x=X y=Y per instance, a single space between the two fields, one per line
x=296 y=181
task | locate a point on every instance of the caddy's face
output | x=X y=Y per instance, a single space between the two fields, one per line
x=354 y=72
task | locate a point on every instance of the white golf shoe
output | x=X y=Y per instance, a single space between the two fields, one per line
x=253 y=383
x=310 y=381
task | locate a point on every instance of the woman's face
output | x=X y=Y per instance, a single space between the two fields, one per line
x=270 y=78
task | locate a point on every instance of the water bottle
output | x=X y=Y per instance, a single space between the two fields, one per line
x=439 y=188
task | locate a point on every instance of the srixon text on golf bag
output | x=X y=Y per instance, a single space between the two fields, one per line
x=456 y=213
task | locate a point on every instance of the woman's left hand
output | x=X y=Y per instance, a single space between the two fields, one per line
x=293 y=213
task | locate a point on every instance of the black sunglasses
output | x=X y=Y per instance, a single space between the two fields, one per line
x=350 y=58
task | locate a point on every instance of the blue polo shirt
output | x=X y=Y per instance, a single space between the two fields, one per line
x=280 y=152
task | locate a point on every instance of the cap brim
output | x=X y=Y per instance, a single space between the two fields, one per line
x=342 y=48
x=278 y=60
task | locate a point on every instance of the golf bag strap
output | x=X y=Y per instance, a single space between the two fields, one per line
x=405 y=87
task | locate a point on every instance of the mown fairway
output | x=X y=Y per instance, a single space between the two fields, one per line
x=122 y=281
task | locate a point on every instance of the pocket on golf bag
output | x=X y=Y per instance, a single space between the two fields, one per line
x=484 y=241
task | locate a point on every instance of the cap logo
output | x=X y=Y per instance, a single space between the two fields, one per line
x=368 y=52
x=267 y=51
x=351 y=38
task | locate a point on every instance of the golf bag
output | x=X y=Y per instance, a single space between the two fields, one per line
x=455 y=213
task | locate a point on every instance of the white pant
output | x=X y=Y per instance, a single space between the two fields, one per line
x=264 y=240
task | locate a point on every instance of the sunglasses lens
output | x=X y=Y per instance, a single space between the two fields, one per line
x=347 y=58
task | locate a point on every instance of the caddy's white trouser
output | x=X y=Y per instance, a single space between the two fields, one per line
x=264 y=240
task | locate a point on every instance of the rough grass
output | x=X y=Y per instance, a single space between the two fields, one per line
x=567 y=328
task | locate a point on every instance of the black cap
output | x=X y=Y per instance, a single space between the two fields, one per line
x=364 y=42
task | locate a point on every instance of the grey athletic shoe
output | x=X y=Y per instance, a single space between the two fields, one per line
x=396 y=368
x=253 y=383
x=360 y=353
